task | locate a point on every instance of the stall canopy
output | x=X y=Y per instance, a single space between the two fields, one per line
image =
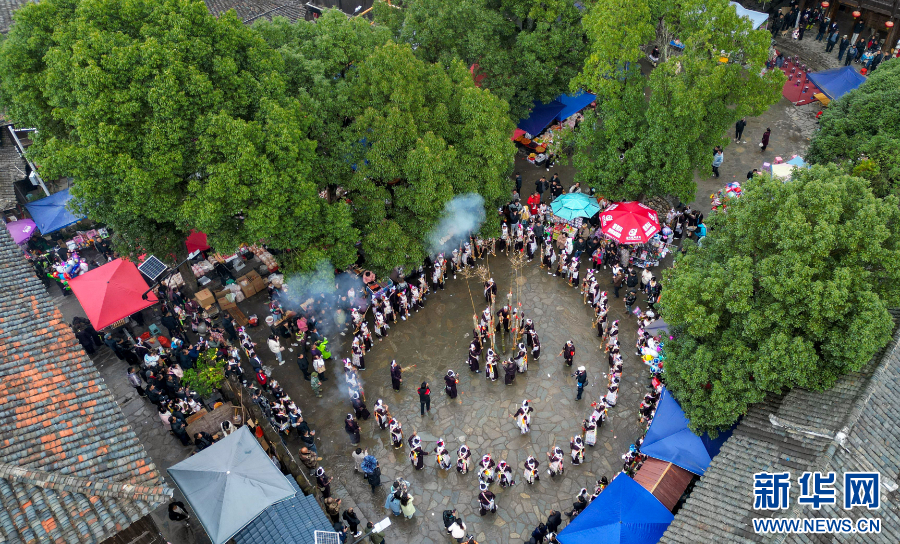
x=575 y=103
x=837 y=82
x=562 y=107
x=230 y=483
x=111 y=292
x=50 y=214
x=541 y=116
x=670 y=439
x=21 y=230
x=759 y=18
x=624 y=512
x=572 y=205
x=196 y=241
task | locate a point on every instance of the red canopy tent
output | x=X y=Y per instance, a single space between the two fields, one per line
x=111 y=292
x=629 y=222
x=196 y=241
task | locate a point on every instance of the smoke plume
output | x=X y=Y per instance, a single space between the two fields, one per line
x=462 y=216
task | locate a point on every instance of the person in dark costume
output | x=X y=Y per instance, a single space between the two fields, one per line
x=323 y=482
x=503 y=320
x=474 y=352
x=535 y=345
x=352 y=428
x=490 y=290
x=568 y=353
x=509 y=369
x=486 y=500
x=451 y=381
x=396 y=375
x=359 y=406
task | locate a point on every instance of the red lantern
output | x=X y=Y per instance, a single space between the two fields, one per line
x=825 y=5
x=889 y=24
x=856 y=14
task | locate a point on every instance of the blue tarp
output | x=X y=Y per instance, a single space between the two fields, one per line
x=670 y=439
x=757 y=17
x=714 y=445
x=837 y=82
x=624 y=513
x=575 y=103
x=798 y=162
x=541 y=116
x=50 y=214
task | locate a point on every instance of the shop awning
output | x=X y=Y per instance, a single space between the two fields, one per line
x=50 y=214
x=837 y=82
x=665 y=480
x=230 y=483
x=196 y=241
x=670 y=439
x=111 y=292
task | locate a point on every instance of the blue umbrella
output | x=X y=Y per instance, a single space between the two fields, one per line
x=574 y=205
x=368 y=464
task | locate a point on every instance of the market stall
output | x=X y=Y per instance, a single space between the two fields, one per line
x=51 y=214
x=637 y=225
x=112 y=292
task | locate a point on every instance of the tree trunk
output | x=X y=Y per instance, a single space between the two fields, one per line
x=190 y=281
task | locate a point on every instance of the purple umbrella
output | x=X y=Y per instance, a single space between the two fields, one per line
x=21 y=230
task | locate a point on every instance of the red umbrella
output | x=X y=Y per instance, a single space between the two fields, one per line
x=111 y=292
x=629 y=222
x=196 y=241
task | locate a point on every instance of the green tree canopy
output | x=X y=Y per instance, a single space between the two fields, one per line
x=861 y=129
x=654 y=127
x=400 y=135
x=526 y=50
x=789 y=289
x=170 y=119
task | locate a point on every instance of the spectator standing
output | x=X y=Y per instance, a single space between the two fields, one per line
x=764 y=143
x=134 y=379
x=739 y=129
x=352 y=521
x=375 y=537
x=424 y=398
x=718 y=158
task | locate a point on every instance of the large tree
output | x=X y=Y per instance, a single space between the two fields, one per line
x=789 y=289
x=861 y=130
x=654 y=127
x=170 y=119
x=401 y=136
x=525 y=50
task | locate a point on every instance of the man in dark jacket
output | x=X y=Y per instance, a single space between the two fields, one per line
x=303 y=363
x=202 y=440
x=618 y=279
x=540 y=186
x=553 y=521
x=178 y=429
x=170 y=323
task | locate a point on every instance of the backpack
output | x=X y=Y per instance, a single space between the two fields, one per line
x=449 y=519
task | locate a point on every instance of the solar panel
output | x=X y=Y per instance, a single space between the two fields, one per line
x=323 y=537
x=152 y=267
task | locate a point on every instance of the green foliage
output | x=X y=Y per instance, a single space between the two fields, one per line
x=862 y=128
x=400 y=135
x=653 y=129
x=789 y=289
x=170 y=119
x=207 y=375
x=527 y=50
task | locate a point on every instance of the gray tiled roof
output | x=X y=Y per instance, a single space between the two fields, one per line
x=251 y=10
x=293 y=521
x=7 y=7
x=71 y=468
x=12 y=166
x=799 y=432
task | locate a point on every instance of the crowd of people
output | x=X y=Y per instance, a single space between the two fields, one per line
x=156 y=365
x=868 y=52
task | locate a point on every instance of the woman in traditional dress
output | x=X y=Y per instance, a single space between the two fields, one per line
x=352 y=428
x=396 y=433
x=463 y=459
x=531 y=469
x=577 y=450
x=556 y=458
x=450 y=381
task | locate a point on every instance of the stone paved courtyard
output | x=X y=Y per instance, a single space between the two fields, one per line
x=435 y=340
